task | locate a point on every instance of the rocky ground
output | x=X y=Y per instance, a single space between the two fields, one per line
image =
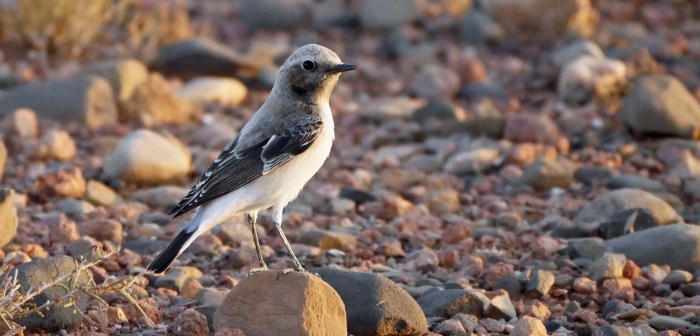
x=500 y=167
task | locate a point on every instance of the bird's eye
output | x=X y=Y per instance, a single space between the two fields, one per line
x=308 y=65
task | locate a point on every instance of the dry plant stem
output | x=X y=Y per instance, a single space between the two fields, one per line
x=15 y=304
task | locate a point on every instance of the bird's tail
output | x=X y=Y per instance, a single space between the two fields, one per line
x=183 y=239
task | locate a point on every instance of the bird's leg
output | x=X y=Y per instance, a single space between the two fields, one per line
x=278 y=226
x=251 y=222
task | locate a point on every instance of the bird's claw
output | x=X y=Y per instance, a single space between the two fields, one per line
x=258 y=269
x=289 y=270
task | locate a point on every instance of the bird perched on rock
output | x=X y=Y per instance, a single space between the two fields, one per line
x=274 y=155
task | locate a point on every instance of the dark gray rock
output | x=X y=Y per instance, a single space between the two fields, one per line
x=676 y=278
x=509 y=283
x=374 y=304
x=87 y=99
x=359 y=196
x=276 y=14
x=589 y=248
x=636 y=182
x=36 y=274
x=447 y=303
x=661 y=104
x=200 y=57
x=613 y=330
x=676 y=245
x=593 y=175
x=628 y=221
x=540 y=283
x=439 y=109
x=662 y=322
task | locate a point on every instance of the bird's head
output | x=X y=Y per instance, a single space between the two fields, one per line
x=312 y=72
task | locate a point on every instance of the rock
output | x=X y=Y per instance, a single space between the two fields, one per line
x=676 y=278
x=216 y=90
x=383 y=14
x=529 y=326
x=434 y=81
x=635 y=182
x=544 y=20
x=299 y=303
x=627 y=221
x=501 y=307
x=540 y=283
x=22 y=123
x=510 y=283
x=613 y=330
x=342 y=206
x=200 y=57
x=87 y=99
x=575 y=50
x=608 y=266
x=392 y=108
x=589 y=77
x=54 y=145
x=359 y=196
x=439 y=109
x=8 y=216
x=375 y=305
x=100 y=194
x=177 y=277
x=593 y=175
x=478 y=28
x=103 y=229
x=189 y=322
x=39 y=272
x=676 y=245
x=160 y=197
x=276 y=14
x=532 y=128
x=589 y=248
x=75 y=208
x=329 y=240
x=472 y=161
x=144 y=156
x=449 y=302
x=450 y=328
x=593 y=214
x=61 y=229
x=425 y=260
x=661 y=322
x=64 y=182
x=154 y=102
x=661 y=104
x=124 y=75
x=444 y=202
x=545 y=174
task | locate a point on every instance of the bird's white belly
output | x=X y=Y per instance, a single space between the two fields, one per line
x=278 y=187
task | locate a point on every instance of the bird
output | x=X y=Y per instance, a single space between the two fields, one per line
x=281 y=147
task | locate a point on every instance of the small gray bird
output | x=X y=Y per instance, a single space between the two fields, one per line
x=282 y=146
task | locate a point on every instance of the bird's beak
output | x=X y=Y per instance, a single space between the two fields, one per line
x=341 y=68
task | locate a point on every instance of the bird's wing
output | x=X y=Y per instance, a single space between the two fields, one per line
x=234 y=168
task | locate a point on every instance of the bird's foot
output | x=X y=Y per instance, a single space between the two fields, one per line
x=289 y=270
x=258 y=269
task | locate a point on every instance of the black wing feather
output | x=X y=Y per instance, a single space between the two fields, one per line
x=233 y=168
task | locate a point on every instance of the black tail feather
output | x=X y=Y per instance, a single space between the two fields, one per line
x=167 y=256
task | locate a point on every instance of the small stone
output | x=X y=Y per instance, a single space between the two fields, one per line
x=300 y=304
x=100 y=194
x=88 y=99
x=439 y=109
x=177 y=277
x=635 y=182
x=545 y=174
x=154 y=102
x=444 y=202
x=627 y=221
x=189 y=322
x=329 y=240
x=540 y=283
x=276 y=14
x=501 y=307
x=434 y=81
x=589 y=248
x=608 y=266
x=587 y=78
x=165 y=197
x=575 y=50
x=342 y=206
x=8 y=216
x=529 y=326
x=201 y=57
x=103 y=230
x=450 y=328
x=613 y=330
x=216 y=90
x=661 y=322
x=447 y=303
x=424 y=259
x=384 y=14
x=75 y=208
x=538 y=310
x=472 y=161
x=54 y=145
x=147 y=157
x=532 y=128
x=124 y=75
x=61 y=229
x=359 y=196
x=64 y=182
x=392 y=108
x=22 y=123
x=661 y=104
x=585 y=286
x=676 y=278
x=509 y=283
x=593 y=175
x=375 y=305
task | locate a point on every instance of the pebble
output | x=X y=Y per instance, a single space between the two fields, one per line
x=540 y=283
x=8 y=216
x=529 y=326
x=675 y=245
x=450 y=302
x=608 y=266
